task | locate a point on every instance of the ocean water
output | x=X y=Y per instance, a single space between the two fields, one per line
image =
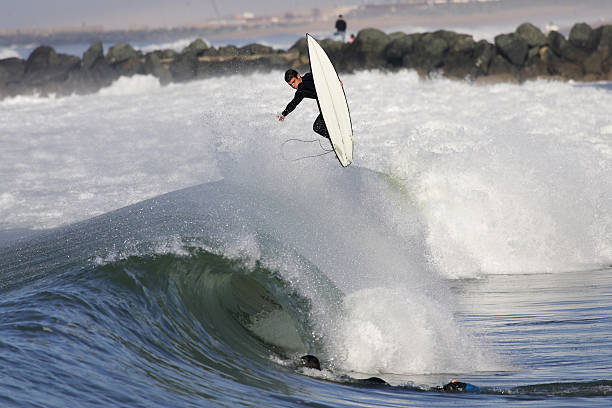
x=174 y=246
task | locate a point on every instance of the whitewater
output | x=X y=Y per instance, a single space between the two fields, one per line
x=505 y=177
x=171 y=230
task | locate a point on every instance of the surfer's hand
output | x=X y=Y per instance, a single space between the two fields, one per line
x=281 y=117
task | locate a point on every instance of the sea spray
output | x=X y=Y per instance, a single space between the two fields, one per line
x=451 y=180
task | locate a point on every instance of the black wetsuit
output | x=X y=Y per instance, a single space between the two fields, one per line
x=306 y=89
x=341 y=28
x=310 y=361
x=340 y=25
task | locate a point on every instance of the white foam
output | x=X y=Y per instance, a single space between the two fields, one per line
x=27 y=100
x=402 y=331
x=245 y=247
x=8 y=53
x=136 y=84
x=497 y=179
x=6 y=200
x=177 y=45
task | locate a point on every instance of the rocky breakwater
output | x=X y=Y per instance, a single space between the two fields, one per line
x=522 y=55
x=47 y=72
x=527 y=53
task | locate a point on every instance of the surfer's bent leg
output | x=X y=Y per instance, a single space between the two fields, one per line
x=319 y=126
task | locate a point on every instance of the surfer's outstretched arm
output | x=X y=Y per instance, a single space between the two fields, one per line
x=303 y=90
x=293 y=104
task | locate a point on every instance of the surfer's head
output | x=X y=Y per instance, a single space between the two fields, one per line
x=293 y=78
x=309 y=361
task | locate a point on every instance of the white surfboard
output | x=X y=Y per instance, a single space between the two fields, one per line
x=332 y=102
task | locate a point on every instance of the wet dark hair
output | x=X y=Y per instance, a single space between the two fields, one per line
x=310 y=361
x=290 y=73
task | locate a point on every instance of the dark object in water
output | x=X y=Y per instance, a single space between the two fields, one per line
x=458 y=386
x=309 y=361
x=370 y=381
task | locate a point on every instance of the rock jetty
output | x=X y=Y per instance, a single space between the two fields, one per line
x=525 y=54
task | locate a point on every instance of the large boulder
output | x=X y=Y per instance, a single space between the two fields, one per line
x=396 y=34
x=184 y=67
x=531 y=34
x=167 y=54
x=228 y=51
x=435 y=44
x=557 y=42
x=400 y=45
x=197 y=47
x=336 y=51
x=463 y=44
x=95 y=73
x=255 y=49
x=593 y=64
x=558 y=65
x=102 y=72
x=367 y=51
x=459 y=61
x=564 y=48
x=569 y=70
x=270 y=63
x=153 y=66
x=430 y=51
x=573 y=53
x=11 y=71
x=121 y=52
x=583 y=36
x=605 y=38
x=44 y=66
x=215 y=68
x=484 y=52
x=99 y=74
x=130 y=67
x=502 y=70
x=548 y=58
x=534 y=66
x=93 y=53
x=300 y=46
x=210 y=52
x=513 y=47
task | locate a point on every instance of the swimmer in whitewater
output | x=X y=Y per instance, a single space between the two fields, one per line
x=305 y=88
x=310 y=361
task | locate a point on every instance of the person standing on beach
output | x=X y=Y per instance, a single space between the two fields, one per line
x=341 y=27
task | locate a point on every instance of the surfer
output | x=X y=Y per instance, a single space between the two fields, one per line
x=305 y=88
x=310 y=361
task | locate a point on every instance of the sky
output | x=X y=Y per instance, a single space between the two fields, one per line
x=111 y=14
x=121 y=14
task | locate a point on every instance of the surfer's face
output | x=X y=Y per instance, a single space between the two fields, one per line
x=295 y=81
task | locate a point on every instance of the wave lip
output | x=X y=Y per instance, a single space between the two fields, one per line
x=164 y=329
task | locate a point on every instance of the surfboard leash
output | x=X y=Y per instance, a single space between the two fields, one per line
x=325 y=151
